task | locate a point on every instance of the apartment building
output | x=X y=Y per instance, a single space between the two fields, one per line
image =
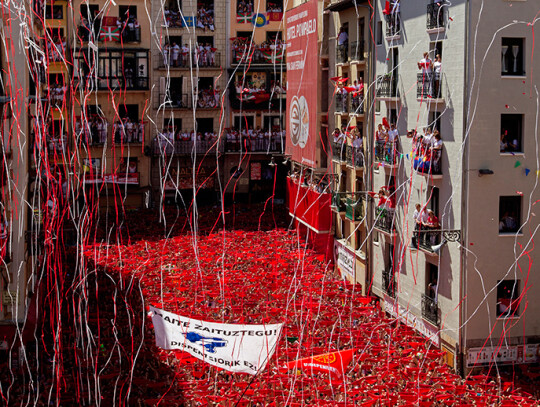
x=16 y=271
x=111 y=97
x=349 y=101
x=462 y=77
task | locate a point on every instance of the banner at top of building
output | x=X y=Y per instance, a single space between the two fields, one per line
x=302 y=83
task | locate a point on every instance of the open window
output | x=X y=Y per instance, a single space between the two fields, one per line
x=513 y=54
x=511 y=133
x=509 y=214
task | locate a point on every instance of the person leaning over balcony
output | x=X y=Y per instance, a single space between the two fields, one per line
x=432 y=223
x=393 y=141
x=343 y=42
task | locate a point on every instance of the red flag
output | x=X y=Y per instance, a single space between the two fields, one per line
x=333 y=363
x=386 y=10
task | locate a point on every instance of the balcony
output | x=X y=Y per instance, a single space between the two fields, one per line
x=342 y=103
x=387 y=87
x=427 y=238
x=389 y=283
x=428 y=86
x=357 y=51
x=309 y=207
x=258 y=56
x=342 y=54
x=255 y=145
x=384 y=219
x=430 y=310
x=163 y=146
x=356 y=103
x=339 y=150
x=131 y=34
x=191 y=58
x=436 y=16
x=393 y=26
x=355 y=157
x=386 y=153
x=175 y=100
x=339 y=201
x=354 y=206
x=429 y=164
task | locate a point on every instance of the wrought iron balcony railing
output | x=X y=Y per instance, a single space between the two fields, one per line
x=339 y=150
x=162 y=145
x=387 y=86
x=206 y=59
x=436 y=15
x=342 y=53
x=427 y=238
x=428 y=86
x=430 y=309
x=354 y=156
x=393 y=24
x=342 y=105
x=384 y=219
x=386 y=152
x=357 y=51
x=356 y=104
x=389 y=282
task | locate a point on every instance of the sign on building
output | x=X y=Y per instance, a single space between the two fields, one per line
x=302 y=83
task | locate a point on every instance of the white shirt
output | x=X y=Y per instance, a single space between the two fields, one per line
x=426 y=65
x=437 y=67
x=393 y=135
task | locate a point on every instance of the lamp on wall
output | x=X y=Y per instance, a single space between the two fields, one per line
x=484 y=171
x=436 y=249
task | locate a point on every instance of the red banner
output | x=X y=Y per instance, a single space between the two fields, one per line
x=302 y=83
x=274 y=16
x=310 y=207
x=334 y=363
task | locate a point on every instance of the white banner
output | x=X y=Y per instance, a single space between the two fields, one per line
x=233 y=347
x=345 y=260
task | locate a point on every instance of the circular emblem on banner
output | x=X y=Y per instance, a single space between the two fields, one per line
x=299 y=121
x=259 y=20
x=327 y=359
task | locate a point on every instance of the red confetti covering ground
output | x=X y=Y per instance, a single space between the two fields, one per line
x=267 y=277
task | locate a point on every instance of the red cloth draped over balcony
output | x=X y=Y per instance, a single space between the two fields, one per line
x=310 y=207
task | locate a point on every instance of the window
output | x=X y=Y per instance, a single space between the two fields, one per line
x=205 y=125
x=507 y=298
x=116 y=69
x=54 y=12
x=273 y=123
x=375 y=237
x=274 y=6
x=205 y=40
x=244 y=122
x=511 y=133
x=359 y=240
x=130 y=112
x=435 y=121
x=271 y=36
x=512 y=54
x=509 y=214
x=379 y=33
x=432 y=280
x=127 y=12
x=433 y=199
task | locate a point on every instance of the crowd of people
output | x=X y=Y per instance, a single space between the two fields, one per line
x=509 y=143
x=244 y=7
x=270 y=51
x=274 y=7
x=231 y=139
x=95 y=130
x=392 y=364
x=427 y=151
x=202 y=55
x=205 y=17
x=126 y=130
x=56 y=48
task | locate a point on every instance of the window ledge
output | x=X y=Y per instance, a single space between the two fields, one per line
x=521 y=154
x=510 y=234
x=513 y=77
x=436 y=30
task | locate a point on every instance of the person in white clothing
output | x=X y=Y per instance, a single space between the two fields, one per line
x=437 y=65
